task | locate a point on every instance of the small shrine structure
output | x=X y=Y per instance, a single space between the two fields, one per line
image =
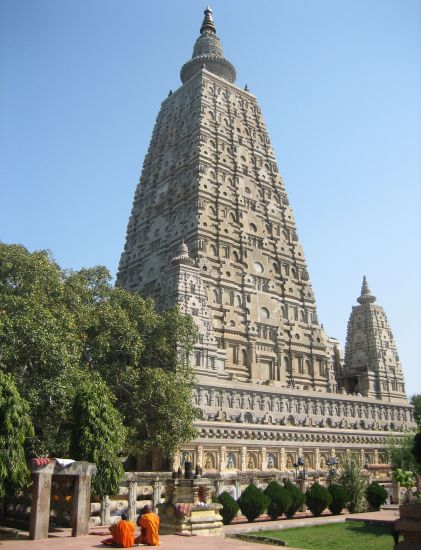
x=188 y=508
x=43 y=476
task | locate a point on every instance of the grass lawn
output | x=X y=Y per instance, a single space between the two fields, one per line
x=350 y=535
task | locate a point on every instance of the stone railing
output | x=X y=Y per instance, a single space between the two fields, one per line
x=141 y=488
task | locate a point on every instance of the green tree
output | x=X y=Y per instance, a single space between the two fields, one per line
x=376 y=495
x=143 y=357
x=406 y=479
x=318 y=499
x=58 y=326
x=164 y=415
x=400 y=453
x=416 y=449
x=350 y=477
x=39 y=341
x=15 y=429
x=98 y=435
x=279 y=499
x=229 y=507
x=416 y=401
x=252 y=502
x=339 y=498
x=297 y=498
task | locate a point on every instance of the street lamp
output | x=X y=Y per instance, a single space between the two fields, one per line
x=302 y=463
x=332 y=463
x=296 y=465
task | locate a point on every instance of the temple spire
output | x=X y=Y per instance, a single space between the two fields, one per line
x=208 y=52
x=208 y=24
x=366 y=295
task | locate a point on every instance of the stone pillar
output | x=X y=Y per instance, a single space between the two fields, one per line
x=362 y=458
x=218 y=487
x=222 y=459
x=132 y=500
x=237 y=486
x=282 y=460
x=243 y=465
x=156 y=494
x=264 y=464
x=253 y=361
x=105 y=510
x=40 y=507
x=281 y=366
x=376 y=456
x=81 y=509
x=396 y=489
x=316 y=459
x=200 y=456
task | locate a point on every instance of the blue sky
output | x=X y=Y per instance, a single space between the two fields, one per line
x=339 y=84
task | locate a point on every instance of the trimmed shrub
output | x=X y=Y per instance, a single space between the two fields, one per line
x=279 y=499
x=318 y=499
x=252 y=502
x=376 y=495
x=297 y=498
x=230 y=507
x=339 y=498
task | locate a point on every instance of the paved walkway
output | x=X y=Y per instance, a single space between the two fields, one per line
x=173 y=542
x=301 y=520
x=168 y=542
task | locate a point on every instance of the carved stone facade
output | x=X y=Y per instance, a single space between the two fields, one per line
x=212 y=230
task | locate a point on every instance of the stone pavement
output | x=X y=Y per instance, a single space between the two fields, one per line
x=168 y=542
x=174 y=542
x=301 y=520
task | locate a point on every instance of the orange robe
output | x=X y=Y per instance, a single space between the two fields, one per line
x=123 y=533
x=149 y=527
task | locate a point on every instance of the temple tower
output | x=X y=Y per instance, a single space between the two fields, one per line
x=212 y=230
x=372 y=366
x=210 y=179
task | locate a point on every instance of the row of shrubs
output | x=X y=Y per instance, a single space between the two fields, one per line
x=287 y=499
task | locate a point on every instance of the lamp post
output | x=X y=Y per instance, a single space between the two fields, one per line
x=302 y=463
x=332 y=463
x=296 y=470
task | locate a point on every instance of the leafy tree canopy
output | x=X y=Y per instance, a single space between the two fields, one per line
x=400 y=453
x=15 y=428
x=98 y=434
x=416 y=449
x=416 y=401
x=57 y=327
x=353 y=482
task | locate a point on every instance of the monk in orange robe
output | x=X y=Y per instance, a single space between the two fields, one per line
x=122 y=533
x=149 y=527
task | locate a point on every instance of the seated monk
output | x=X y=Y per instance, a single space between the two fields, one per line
x=122 y=533
x=149 y=527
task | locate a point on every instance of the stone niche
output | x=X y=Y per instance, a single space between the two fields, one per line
x=188 y=508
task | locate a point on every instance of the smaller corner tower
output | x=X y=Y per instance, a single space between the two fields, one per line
x=372 y=366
